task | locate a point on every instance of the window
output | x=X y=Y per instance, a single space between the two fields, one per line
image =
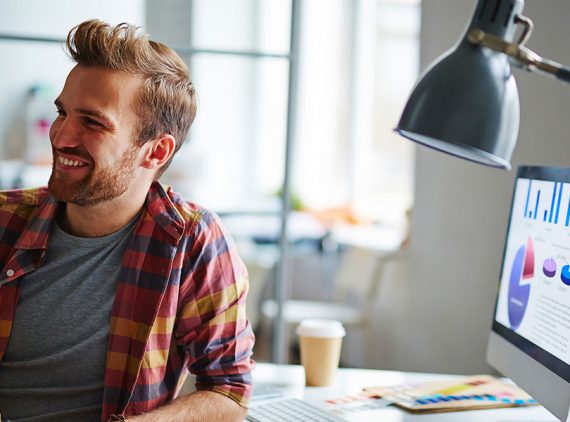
x=358 y=61
x=357 y=65
x=234 y=159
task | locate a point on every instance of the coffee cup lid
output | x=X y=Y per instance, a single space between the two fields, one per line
x=320 y=328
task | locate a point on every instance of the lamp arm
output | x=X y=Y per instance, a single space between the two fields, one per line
x=520 y=55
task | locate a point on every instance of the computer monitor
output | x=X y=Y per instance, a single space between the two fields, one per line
x=530 y=336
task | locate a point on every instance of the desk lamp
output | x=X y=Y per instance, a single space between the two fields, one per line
x=466 y=103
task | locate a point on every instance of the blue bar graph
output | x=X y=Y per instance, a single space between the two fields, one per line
x=527 y=198
x=536 y=206
x=550 y=209
x=558 y=203
x=552 y=202
x=568 y=213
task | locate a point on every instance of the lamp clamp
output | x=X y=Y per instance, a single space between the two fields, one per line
x=520 y=55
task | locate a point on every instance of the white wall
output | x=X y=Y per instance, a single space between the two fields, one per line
x=436 y=309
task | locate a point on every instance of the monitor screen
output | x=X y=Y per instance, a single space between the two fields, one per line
x=532 y=310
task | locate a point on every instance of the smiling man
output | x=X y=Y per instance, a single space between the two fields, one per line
x=113 y=287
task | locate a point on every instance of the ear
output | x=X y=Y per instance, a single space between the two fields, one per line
x=158 y=151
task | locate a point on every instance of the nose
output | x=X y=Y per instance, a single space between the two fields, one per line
x=64 y=133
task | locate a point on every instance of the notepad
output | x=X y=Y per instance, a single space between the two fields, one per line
x=469 y=393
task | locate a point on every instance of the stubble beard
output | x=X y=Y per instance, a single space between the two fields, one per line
x=99 y=186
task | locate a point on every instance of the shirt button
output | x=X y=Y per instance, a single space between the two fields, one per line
x=10 y=273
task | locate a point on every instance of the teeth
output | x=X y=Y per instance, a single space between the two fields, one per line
x=71 y=163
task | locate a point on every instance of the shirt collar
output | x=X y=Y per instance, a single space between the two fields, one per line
x=36 y=232
x=164 y=206
x=160 y=205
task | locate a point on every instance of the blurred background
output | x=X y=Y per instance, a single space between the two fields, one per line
x=402 y=244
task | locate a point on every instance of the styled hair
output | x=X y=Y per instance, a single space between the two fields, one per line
x=167 y=102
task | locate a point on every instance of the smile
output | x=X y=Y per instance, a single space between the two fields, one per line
x=71 y=163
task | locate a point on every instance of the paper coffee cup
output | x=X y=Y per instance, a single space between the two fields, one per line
x=320 y=341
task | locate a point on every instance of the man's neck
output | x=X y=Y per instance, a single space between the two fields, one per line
x=101 y=219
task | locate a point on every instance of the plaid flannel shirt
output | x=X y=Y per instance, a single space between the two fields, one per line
x=179 y=304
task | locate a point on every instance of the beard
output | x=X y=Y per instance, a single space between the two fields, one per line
x=101 y=185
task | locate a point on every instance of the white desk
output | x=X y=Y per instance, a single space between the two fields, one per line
x=291 y=379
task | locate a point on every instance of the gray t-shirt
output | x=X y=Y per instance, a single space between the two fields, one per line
x=55 y=362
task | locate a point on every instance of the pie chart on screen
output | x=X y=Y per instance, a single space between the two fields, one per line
x=522 y=271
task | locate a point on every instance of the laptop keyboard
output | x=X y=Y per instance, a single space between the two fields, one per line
x=289 y=410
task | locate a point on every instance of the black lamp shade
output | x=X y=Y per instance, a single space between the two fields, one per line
x=466 y=104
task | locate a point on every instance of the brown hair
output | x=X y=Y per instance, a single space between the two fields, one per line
x=167 y=100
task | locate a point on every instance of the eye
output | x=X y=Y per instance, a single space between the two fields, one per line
x=91 y=122
x=60 y=113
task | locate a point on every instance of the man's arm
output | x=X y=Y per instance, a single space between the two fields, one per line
x=198 y=406
x=213 y=330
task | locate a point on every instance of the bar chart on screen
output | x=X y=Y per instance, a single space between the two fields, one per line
x=547 y=202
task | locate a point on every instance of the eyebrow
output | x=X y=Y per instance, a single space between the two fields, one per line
x=93 y=113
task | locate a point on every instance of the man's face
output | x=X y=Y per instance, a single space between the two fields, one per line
x=95 y=158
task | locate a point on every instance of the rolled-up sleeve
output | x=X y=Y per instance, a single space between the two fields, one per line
x=213 y=328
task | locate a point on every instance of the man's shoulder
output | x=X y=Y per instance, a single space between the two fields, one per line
x=31 y=197
x=190 y=211
x=17 y=207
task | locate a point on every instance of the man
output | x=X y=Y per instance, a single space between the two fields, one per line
x=112 y=286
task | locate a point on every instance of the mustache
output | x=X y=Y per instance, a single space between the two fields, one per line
x=73 y=151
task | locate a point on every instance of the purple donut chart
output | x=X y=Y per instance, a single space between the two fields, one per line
x=549 y=268
x=565 y=275
x=518 y=295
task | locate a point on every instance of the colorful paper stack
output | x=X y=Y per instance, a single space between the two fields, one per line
x=475 y=392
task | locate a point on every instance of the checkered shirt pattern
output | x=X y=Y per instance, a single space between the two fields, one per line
x=179 y=305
